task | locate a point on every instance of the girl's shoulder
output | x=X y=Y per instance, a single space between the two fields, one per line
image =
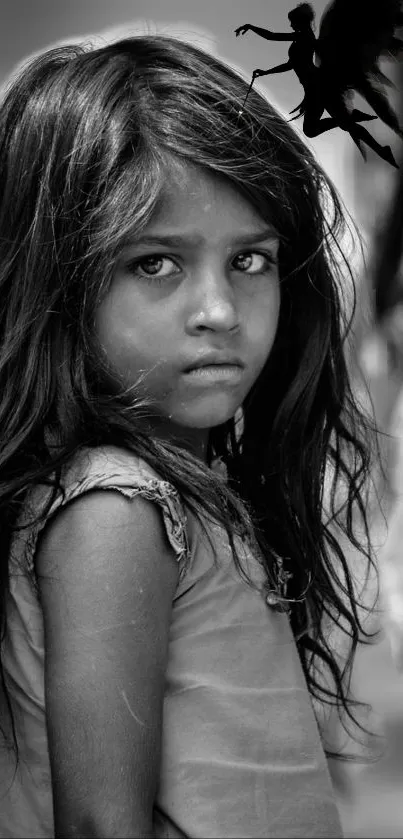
x=106 y=468
x=104 y=464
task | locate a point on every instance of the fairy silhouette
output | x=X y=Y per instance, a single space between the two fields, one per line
x=343 y=59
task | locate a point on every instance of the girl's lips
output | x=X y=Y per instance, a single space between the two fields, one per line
x=213 y=358
x=210 y=373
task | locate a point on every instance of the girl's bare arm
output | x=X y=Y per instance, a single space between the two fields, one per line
x=107 y=577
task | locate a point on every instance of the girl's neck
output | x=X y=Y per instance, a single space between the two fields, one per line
x=194 y=440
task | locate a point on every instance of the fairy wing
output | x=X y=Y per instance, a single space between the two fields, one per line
x=354 y=35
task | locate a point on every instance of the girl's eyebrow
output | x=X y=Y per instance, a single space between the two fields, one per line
x=191 y=239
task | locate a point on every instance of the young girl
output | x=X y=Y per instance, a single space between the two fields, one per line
x=174 y=404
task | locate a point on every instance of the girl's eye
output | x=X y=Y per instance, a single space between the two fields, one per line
x=253 y=262
x=154 y=267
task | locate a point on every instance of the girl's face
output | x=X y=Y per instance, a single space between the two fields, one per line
x=194 y=305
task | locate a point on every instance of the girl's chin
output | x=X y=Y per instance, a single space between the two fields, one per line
x=204 y=420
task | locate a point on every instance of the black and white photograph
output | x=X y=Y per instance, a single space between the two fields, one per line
x=201 y=419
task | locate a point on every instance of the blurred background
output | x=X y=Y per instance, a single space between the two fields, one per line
x=370 y=798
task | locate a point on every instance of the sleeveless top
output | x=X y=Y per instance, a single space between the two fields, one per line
x=241 y=750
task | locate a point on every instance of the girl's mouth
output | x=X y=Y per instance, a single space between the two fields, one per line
x=210 y=373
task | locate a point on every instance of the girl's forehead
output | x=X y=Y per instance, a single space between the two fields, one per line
x=184 y=178
x=192 y=194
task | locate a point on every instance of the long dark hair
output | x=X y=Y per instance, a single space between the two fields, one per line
x=86 y=136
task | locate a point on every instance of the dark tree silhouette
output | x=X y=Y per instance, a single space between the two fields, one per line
x=353 y=37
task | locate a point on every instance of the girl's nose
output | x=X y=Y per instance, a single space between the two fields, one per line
x=214 y=305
